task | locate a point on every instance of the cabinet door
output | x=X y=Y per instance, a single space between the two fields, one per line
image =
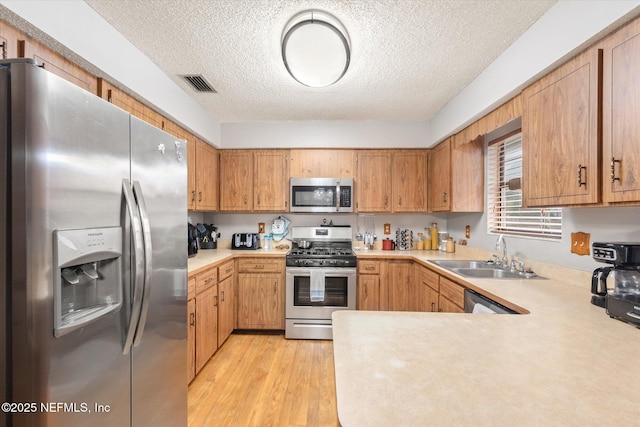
x=260 y=301
x=191 y=174
x=368 y=297
x=271 y=180
x=410 y=181
x=225 y=309
x=440 y=177
x=560 y=138
x=191 y=340
x=400 y=286
x=467 y=165
x=374 y=181
x=236 y=180
x=206 y=177
x=206 y=326
x=317 y=163
x=621 y=109
x=427 y=289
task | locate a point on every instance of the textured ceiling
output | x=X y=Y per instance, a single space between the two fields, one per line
x=409 y=58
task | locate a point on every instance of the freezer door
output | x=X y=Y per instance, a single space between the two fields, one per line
x=159 y=353
x=69 y=154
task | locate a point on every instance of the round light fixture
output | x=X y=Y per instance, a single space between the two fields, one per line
x=315 y=48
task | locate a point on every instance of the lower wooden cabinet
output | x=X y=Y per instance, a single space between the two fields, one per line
x=225 y=309
x=206 y=325
x=400 y=285
x=191 y=337
x=261 y=293
x=451 y=296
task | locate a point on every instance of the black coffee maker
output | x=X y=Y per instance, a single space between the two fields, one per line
x=617 y=287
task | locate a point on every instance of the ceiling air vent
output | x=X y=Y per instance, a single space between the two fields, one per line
x=199 y=83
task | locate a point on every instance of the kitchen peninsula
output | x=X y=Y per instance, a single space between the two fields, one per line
x=557 y=365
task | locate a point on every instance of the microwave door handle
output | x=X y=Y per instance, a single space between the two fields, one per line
x=338 y=196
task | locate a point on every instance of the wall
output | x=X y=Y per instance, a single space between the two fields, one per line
x=322 y=134
x=229 y=223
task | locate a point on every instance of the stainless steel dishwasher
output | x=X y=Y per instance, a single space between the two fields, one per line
x=479 y=304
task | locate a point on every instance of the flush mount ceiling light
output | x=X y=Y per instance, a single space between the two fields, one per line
x=315 y=48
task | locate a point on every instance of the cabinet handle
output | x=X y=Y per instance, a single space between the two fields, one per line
x=258 y=199
x=580 y=181
x=216 y=301
x=275 y=287
x=433 y=307
x=192 y=319
x=444 y=197
x=369 y=267
x=399 y=200
x=365 y=291
x=386 y=200
x=614 y=178
x=228 y=270
x=245 y=199
x=208 y=280
x=199 y=196
x=259 y=266
x=193 y=196
x=222 y=296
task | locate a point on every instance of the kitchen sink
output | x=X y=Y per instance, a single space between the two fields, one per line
x=483 y=270
x=450 y=263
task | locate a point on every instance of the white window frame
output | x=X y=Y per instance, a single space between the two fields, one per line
x=505 y=214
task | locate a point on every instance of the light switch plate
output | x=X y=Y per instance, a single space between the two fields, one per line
x=580 y=243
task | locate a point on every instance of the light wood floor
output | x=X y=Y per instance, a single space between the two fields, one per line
x=266 y=380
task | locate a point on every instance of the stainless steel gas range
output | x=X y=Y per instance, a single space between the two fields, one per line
x=321 y=278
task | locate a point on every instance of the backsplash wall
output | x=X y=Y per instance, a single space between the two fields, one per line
x=607 y=224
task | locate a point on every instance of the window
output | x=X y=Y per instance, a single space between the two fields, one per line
x=505 y=212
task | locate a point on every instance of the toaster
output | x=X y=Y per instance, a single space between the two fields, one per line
x=247 y=241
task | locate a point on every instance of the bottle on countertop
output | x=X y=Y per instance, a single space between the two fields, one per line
x=451 y=246
x=434 y=236
x=427 y=239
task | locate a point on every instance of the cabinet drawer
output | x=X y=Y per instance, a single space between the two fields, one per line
x=191 y=287
x=447 y=306
x=429 y=278
x=206 y=279
x=452 y=291
x=225 y=270
x=369 y=267
x=258 y=265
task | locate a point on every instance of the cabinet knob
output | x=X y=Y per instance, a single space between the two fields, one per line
x=246 y=199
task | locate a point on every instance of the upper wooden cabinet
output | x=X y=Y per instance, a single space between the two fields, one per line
x=320 y=163
x=440 y=177
x=206 y=177
x=561 y=135
x=409 y=179
x=271 y=180
x=467 y=171
x=254 y=180
x=391 y=180
x=620 y=112
x=373 y=183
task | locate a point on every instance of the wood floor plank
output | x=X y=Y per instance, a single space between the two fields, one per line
x=266 y=380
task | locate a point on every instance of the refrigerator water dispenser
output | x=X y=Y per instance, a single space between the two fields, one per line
x=88 y=276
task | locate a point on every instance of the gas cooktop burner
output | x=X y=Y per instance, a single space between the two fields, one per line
x=321 y=252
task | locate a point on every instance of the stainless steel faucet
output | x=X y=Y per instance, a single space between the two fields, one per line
x=501 y=246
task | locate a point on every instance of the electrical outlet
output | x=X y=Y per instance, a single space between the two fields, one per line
x=261 y=227
x=580 y=243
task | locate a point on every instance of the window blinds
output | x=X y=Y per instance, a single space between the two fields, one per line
x=505 y=212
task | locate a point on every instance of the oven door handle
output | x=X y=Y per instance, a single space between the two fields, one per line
x=328 y=271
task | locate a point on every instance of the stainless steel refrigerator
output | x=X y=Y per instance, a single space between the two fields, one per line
x=93 y=267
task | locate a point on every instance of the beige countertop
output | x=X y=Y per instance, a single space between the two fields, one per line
x=566 y=363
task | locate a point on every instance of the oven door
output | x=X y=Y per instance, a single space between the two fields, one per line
x=339 y=292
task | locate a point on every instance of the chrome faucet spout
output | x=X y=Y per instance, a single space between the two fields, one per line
x=501 y=246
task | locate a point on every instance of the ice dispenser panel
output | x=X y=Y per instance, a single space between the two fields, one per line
x=87 y=277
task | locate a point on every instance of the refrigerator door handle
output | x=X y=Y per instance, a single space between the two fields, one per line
x=138 y=268
x=148 y=253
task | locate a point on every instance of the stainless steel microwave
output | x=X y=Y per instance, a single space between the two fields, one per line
x=321 y=195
